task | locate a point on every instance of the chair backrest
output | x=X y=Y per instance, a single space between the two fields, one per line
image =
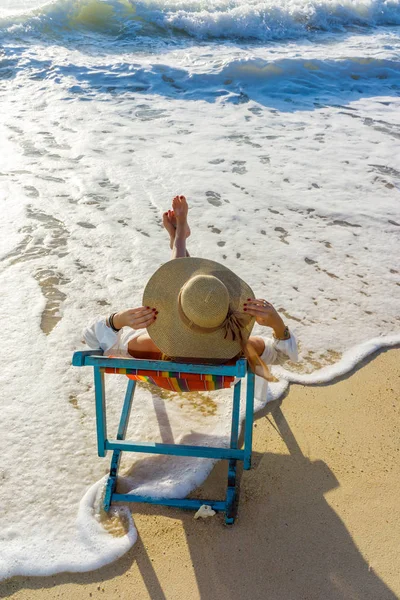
x=176 y=381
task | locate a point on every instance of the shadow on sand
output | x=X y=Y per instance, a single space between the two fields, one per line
x=287 y=543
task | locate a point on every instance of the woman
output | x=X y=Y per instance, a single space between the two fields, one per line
x=194 y=309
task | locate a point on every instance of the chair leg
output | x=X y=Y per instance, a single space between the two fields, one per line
x=116 y=457
x=101 y=421
x=230 y=500
x=235 y=415
x=112 y=479
x=248 y=426
x=231 y=494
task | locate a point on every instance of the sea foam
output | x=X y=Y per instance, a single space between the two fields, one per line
x=247 y=20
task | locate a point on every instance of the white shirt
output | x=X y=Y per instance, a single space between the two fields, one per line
x=99 y=335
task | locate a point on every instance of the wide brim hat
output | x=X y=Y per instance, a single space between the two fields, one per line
x=195 y=299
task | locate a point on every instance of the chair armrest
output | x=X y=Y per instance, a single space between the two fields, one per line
x=94 y=358
x=78 y=358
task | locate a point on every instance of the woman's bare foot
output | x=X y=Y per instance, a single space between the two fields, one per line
x=170 y=224
x=180 y=208
x=173 y=221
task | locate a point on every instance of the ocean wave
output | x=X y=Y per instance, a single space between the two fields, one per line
x=235 y=81
x=217 y=19
x=285 y=84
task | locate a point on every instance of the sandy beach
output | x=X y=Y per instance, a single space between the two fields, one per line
x=319 y=516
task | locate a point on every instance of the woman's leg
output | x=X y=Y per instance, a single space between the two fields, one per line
x=180 y=208
x=169 y=222
x=144 y=347
x=175 y=222
x=257 y=343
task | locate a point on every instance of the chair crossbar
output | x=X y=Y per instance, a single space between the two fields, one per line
x=190 y=503
x=174 y=449
x=127 y=366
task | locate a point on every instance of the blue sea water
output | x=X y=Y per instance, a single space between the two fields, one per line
x=296 y=51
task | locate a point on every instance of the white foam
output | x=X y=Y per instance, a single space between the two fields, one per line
x=268 y=20
x=245 y=19
x=349 y=360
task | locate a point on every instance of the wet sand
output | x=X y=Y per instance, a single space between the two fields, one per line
x=319 y=513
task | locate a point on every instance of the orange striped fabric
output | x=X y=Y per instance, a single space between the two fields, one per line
x=176 y=381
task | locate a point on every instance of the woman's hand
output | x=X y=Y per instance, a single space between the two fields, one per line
x=265 y=315
x=137 y=318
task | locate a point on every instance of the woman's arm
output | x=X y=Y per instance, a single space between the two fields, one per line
x=128 y=324
x=280 y=348
x=267 y=316
x=136 y=318
x=283 y=342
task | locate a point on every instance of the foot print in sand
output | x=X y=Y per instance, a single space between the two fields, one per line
x=46 y=235
x=240 y=187
x=147 y=114
x=82 y=267
x=214 y=229
x=310 y=261
x=31 y=191
x=97 y=200
x=284 y=312
x=239 y=167
x=86 y=225
x=49 y=280
x=103 y=303
x=73 y=400
x=143 y=232
x=386 y=171
x=243 y=139
x=214 y=198
x=343 y=223
x=386 y=183
x=256 y=110
x=318 y=361
x=284 y=234
x=106 y=183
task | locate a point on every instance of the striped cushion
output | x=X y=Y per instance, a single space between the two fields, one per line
x=176 y=381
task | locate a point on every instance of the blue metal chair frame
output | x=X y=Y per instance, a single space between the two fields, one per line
x=94 y=358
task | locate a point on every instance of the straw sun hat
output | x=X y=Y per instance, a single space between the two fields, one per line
x=200 y=304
